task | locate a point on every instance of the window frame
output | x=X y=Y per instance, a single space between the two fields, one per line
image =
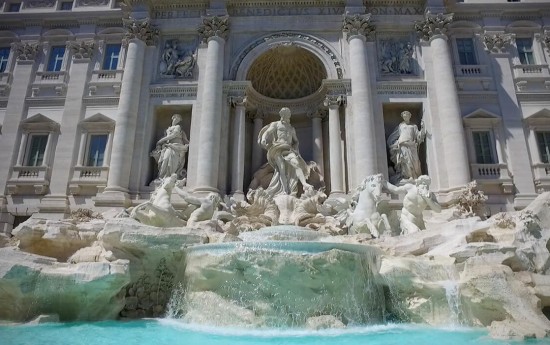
x=62 y=60
x=546 y=134
x=9 y=8
x=6 y=62
x=28 y=149
x=61 y=3
x=491 y=142
x=473 y=52
x=88 y=147
x=105 y=57
x=532 y=51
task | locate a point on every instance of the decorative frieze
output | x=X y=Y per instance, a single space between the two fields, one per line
x=358 y=24
x=25 y=51
x=432 y=25
x=81 y=49
x=395 y=57
x=214 y=26
x=238 y=101
x=39 y=3
x=496 y=43
x=176 y=61
x=84 y=3
x=334 y=100
x=142 y=29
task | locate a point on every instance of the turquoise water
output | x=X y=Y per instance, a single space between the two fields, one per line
x=170 y=332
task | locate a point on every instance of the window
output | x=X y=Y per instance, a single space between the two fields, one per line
x=112 y=53
x=56 y=58
x=14 y=7
x=525 y=51
x=96 y=150
x=66 y=6
x=4 y=55
x=35 y=155
x=466 y=52
x=483 y=147
x=543 y=140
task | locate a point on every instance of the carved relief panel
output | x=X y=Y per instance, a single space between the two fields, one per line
x=178 y=59
x=396 y=56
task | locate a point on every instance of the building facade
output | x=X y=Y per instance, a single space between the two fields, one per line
x=88 y=87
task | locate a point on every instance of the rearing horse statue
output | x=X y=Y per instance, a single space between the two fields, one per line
x=365 y=217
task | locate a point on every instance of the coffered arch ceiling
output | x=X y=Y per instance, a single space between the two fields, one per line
x=287 y=72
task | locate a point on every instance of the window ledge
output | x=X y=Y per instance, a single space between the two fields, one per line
x=85 y=177
x=496 y=173
x=27 y=179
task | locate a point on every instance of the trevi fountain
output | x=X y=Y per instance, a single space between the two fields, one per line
x=285 y=263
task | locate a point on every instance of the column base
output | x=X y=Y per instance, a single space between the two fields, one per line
x=112 y=198
x=522 y=200
x=53 y=207
x=205 y=190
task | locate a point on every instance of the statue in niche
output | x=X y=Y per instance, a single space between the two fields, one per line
x=403 y=145
x=396 y=57
x=171 y=149
x=176 y=62
x=280 y=140
x=417 y=198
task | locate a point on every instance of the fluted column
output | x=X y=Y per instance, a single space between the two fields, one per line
x=140 y=34
x=237 y=168
x=214 y=31
x=433 y=29
x=358 y=29
x=335 y=146
x=256 y=149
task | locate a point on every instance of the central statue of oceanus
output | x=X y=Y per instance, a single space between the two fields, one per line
x=280 y=140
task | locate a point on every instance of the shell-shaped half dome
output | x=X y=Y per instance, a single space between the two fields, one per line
x=287 y=72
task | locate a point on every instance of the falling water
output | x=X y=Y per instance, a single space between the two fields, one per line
x=279 y=284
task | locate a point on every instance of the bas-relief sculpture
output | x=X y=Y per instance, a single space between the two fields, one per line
x=170 y=150
x=280 y=140
x=176 y=62
x=396 y=57
x=403 y=145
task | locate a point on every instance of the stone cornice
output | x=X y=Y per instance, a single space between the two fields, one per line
x=141 y=29
x=171 y=91
x=214 y=26
x=358 y=24
x=45 y=101
x=100 y=100
x=432 y=25
x=402 y=88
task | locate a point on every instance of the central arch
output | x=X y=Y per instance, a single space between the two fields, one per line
x=330 y=61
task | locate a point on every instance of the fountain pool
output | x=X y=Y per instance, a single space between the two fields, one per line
x=166 y=331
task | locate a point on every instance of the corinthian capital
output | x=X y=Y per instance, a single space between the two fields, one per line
x=142 y=29
x=214 y=27
x=25 y=51
x=496 y=43
x=546 y=39
x=432 y=25
x=334 y=100
x=358 y=24
x=81 y=49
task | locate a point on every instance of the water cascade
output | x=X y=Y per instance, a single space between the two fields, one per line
x=280 y=284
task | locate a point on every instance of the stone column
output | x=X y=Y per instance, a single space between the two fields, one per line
x=25 y=54
x=516 y=148
x=214 y=31
x=140 y=34
x=317 y=137
x=433 y=29
x=335 y=144
x=56 y=201
x=358 y=29
x=256 y=149
x=237 y=165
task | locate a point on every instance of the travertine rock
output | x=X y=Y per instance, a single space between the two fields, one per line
x=56 y=239
x=323 y=322
x=32 y=285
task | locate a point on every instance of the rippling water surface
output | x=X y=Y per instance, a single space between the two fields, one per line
x=173 y=332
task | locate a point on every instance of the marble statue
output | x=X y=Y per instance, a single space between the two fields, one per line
x=158 y=210
x=206 y=207
x=170 y=150
x=403 y=145
x=280 y=140
x=169 y=58
x=366 y=217
x=417 y=198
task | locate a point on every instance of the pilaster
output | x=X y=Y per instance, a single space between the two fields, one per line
x=333 y=102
